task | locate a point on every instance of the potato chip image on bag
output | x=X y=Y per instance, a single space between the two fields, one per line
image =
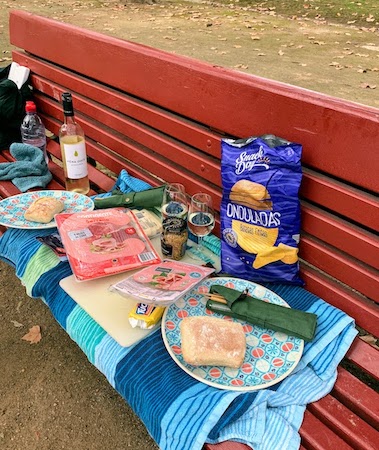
x=260 y=209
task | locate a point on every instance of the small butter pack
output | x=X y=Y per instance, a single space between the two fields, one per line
x=145 y=316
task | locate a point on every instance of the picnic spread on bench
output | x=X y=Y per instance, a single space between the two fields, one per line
x=236 y=340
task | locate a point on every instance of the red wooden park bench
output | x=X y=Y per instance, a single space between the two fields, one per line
x=161 y=117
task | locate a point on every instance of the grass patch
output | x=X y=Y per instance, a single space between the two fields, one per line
x=357 y=12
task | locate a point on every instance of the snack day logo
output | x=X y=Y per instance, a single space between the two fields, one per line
x=246 y=162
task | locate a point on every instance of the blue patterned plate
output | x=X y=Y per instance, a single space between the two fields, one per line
x=12 y=209
x=270 y=356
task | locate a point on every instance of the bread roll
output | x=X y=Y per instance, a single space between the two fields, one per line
x=210 y=341
x=44 y=209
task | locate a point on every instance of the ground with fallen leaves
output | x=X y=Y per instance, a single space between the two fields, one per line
x=340 y=59
x=51 y=397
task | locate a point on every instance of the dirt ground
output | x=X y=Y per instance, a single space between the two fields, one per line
x=336 y=59
x=51 y=397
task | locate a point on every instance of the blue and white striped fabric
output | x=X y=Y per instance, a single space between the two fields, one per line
x=180 y=412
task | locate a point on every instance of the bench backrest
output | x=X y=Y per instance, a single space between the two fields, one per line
x=161 y=116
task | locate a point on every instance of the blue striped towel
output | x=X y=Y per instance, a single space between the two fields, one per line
x=178 y=411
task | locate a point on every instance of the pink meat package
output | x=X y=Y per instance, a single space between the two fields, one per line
x=104 y=242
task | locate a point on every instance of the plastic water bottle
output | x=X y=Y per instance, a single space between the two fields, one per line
x=33 y=130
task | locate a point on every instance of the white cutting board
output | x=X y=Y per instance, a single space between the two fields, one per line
x=109 y=309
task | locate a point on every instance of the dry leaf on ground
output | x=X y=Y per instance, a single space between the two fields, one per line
x=368 y=86
x=370 y=340
x=34 y=335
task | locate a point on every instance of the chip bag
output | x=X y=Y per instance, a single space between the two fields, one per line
x=260 y=209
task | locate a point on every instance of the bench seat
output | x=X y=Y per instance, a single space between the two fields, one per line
x=161 y=117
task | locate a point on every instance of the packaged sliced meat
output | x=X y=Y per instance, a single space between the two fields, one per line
x=104 y=242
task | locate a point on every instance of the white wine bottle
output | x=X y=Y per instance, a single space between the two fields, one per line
x=73 y=147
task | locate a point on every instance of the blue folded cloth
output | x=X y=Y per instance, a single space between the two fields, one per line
x=125 y=184
x=29 y=170
x=180 y=412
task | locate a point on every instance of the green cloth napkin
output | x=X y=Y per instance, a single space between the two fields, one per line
x=267 y=315
x=144 y=199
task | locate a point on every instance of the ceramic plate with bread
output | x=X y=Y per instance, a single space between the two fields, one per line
x=223 y=352
x=36 y=209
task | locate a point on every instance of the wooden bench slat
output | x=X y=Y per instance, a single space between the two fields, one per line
x=340 y=266
x=128 y=149
x=343 y=199
x=300 y=115
x=366 y=313
x=180 y=128
x=345 y=423
x=364 y=356
x=355 y=241
x=166 y=124
x=357 y=396
x=315 y=435
x=227 y=445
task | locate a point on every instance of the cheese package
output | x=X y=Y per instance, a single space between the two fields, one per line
x=145 y=316
x=260 y=209
x=150 y=222
x=210 y=341
x=104 y=242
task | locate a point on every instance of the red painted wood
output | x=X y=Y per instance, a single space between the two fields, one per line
x=347 y=201
x=351 y=428
x=349 y=238
x=341 y=266
x=357 y=396
x=365 y=356
x=180 y=128
x=316 y=187
x=366 y=313
x=130 y=152
x=99 y=154
x=198 y=90
x=7 y=188
x=315 y=435
x=227 y=445
x=96 y=177
x=160 y=124
x=167 y=167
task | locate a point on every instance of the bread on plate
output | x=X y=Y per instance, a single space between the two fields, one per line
x=212 y=341
x=44 y=209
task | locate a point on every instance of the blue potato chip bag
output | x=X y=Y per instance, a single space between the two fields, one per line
x=260 y=209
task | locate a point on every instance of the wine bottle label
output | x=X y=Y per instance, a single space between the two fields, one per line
x=76 y=160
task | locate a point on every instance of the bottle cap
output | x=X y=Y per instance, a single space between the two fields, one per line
x=30 y=106
x=68 y=109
